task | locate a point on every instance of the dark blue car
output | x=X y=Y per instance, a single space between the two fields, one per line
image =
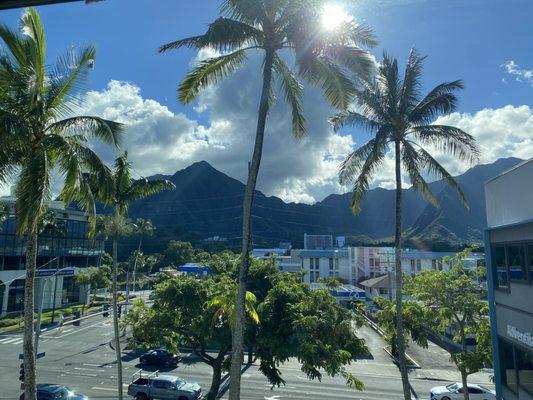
x=160 y=357
x=46 y=391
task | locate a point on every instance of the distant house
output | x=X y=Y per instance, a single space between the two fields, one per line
x=379 y=286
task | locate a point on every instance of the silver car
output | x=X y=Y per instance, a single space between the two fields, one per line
x=455 y=392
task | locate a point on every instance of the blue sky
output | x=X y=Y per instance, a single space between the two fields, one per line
x=466 y=39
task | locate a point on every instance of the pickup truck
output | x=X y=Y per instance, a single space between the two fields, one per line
x=168 y=387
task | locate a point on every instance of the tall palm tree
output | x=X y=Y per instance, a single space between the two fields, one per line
x=125 y=191
x=143 y=228
x=400 y=118
x=322 y=57
x=40 y=132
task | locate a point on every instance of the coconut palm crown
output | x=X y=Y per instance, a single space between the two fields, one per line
x=323 y=58
x=392 y=110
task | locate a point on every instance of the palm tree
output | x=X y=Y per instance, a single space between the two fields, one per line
x=40 y=132
x=125 y=191
x=323 y=58
x=143 y=228
x=399 y=118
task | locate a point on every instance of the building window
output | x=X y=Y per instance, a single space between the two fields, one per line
x=15 y=301
x=331 y=264
x=524 y=366
x=502 y=278
x=515 y=261
x=507 y=365
x=434 y=264
x=314 y=270
x=71 y=291
x=412 y=267
x=419 y=265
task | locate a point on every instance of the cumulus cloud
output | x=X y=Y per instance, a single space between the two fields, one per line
x=502 y=132
x=160 y=141
x=518 y=73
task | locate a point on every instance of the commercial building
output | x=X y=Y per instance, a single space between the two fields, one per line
x=509 y=250
x=61 y=254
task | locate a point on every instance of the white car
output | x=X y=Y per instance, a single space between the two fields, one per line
x=455 y=392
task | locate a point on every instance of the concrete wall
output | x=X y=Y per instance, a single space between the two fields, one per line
x=509 y=197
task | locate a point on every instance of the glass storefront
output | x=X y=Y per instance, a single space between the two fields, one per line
x=516 y=364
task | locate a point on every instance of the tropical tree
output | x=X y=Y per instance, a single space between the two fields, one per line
x=125 y=191
x=454 y=303
x=392 y=109
x=143 y=227
x=40 y=132
x=322 y=58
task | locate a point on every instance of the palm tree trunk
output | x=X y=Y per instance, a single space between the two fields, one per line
x=29 y=285
x=115 y=315
x=135 y=262
x=464 y=375
x=400 y=341
x=238 y=329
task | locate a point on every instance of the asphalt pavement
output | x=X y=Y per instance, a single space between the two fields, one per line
x=82 y=358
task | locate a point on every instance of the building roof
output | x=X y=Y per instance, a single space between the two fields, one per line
x=426 y=255
x=379 y=282
x=325 y=253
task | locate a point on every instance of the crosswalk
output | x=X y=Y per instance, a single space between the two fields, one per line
x=11 y=340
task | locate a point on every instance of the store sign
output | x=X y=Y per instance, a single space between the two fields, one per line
x=52 y=272
x=523 y=337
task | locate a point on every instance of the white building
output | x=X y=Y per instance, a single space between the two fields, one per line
x=287 y=258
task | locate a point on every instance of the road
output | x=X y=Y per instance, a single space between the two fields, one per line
x=82 y=358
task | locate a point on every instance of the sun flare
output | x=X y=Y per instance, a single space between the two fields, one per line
x=333 y=16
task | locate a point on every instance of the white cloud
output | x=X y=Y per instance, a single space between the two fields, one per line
x=502 y=132
x=519 y=74
x=160 y=141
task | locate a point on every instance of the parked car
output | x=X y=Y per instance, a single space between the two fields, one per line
x=168 y=387
x=48 y=391
x=160 y=357
x=455 y=391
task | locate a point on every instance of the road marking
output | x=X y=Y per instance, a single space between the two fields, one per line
x=86 y=369
x=12 y=340
x=104 y=388
x=6 y=339
x=80 y=374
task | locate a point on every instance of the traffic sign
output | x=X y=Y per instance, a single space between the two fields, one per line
x=39 y=355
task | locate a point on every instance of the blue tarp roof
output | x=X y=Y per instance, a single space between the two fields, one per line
x=194 y=269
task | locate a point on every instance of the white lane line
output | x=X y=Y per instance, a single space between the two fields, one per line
x=80 y=374
x=11 y=340
x=67 y=330
x=86 y=369
x=18 y=341
x=6 y=339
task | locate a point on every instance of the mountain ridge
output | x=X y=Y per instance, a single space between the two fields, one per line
x=208 y=202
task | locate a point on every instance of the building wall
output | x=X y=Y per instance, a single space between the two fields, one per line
x=509 y=261
x=313 y=273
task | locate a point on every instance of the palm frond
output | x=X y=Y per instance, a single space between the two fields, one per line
x=359 y=167
x=209 y=72
x=251 y=12
x=143 y=188
x=334 y=82
x=448 y=139
x=411 y=162
x=223 y=35
x=410 y=92
x=389 y=78
x=67 y=79
x=293 y=91
x=109 y=132
x=434 y=168
x=441 y=100
x=32 y=191
x=353 y=119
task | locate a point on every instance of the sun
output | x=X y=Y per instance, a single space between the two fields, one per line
x=333 y=16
